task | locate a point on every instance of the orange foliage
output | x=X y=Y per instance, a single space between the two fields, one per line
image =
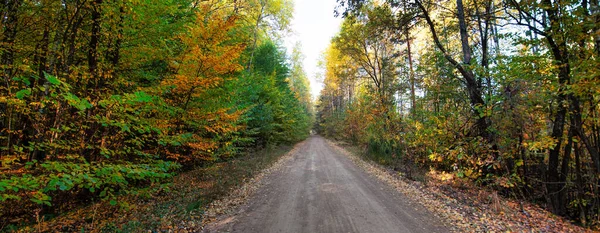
x=209 y=56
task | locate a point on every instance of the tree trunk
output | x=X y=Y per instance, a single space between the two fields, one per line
x=413 y=102
x=98 y=83
x=561 y=58
x=575 y=103
x=484 y=32
x=10 y=22
x=580 y=191
x=464 y=37
x=564 y=171
x=94 y=41
x=477 y=102
x=255 y=36
x=552 y=178
x=117 y=49
x=595 y=13
x=578 y=123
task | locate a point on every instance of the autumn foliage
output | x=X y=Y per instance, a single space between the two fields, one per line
x=103 y=98
x=500 y=93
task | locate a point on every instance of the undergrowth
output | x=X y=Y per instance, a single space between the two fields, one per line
x=181 y=203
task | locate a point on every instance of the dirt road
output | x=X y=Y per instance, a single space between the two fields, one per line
x=321 y=190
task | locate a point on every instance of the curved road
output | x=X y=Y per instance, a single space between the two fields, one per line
x=321 y=190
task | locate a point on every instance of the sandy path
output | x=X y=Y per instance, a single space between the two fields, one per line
x=320 y=190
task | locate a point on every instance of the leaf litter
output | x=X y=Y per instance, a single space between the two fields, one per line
x=466 y=208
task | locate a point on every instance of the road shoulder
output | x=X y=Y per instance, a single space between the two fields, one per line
x=466 y=208
x=223 y=212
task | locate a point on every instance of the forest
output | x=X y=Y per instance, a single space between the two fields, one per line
x=104 y=98
x=503 y=93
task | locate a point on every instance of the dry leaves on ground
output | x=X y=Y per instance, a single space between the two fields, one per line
x=470 y=209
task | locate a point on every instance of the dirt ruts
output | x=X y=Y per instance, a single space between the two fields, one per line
x=321 y=190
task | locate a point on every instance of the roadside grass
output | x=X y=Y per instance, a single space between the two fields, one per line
x=176 y=207
x=401 y=165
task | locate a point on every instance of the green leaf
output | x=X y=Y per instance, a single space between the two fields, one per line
x=23 y=79
x=116 y=97
x=52 y=79
x=142 y=97
x=519 y=162
x=113 y=202
x=22 y=93
x=73 y=100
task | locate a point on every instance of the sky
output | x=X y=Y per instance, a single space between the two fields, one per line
x=314 y=25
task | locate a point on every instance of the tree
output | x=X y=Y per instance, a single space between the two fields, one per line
x=559 y=31
x=368 y=43
x=272 y=16
x=100 y=98
x=208 y=59
x=513 y=102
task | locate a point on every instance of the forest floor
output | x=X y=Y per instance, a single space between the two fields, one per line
x=182 y=208
x=462 y=205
